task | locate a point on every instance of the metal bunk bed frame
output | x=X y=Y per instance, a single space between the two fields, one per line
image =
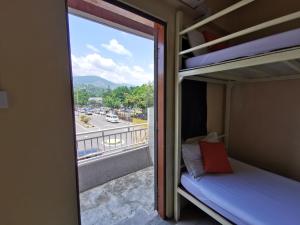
x=226 y=73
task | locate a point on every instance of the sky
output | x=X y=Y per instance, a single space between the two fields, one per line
x=112 y=54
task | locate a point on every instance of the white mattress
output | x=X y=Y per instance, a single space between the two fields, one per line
x=274 y=42
x=249 y=195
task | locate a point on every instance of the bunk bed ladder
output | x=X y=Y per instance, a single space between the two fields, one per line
x=179 y=192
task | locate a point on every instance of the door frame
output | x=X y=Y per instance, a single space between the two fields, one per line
x=160 y=118
x=160 y=48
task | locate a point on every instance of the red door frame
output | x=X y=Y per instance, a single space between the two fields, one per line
x=160 y=76
x=160 y=57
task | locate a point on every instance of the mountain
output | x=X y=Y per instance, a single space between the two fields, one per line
x=96 y=81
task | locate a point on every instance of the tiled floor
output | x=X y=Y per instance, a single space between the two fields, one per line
x=129 y=200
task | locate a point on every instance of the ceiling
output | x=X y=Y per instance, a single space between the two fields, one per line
x=252 y=14
x=121 y=12
x=202 y=6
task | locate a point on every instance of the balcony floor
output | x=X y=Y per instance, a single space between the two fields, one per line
x=120 y=200
x=129 y=200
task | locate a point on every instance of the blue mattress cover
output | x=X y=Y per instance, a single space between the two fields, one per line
x=267 y=44
x=248 y=196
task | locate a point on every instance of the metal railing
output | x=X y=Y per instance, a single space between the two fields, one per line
x=109 y=141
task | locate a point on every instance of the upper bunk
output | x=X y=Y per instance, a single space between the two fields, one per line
x=276 y=57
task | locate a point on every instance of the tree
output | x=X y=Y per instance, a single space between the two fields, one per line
x=83 y=92
x=149 y=95
x=112 y=102
x=81 y=97
x=115 y=98
x=140 y=97
x=129 y=100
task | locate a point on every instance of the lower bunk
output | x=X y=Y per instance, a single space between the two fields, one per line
x=248 y=196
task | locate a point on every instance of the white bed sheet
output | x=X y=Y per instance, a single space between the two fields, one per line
x=249 y=195
x=274 y=42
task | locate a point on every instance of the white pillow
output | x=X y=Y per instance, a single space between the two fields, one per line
x=212 y=137
x=196 y=38
x=192 y=158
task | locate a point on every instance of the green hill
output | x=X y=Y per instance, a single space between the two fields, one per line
x=95 y=81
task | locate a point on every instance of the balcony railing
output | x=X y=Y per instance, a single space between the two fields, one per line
x=109 y=141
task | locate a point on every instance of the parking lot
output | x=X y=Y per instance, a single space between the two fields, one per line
x=104 y=137
x=99 y=123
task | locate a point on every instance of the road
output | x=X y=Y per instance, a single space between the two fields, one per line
x=99 y=123
x=89 y=143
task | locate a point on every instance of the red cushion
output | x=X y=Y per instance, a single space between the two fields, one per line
x=209 y=36
x=215 y=158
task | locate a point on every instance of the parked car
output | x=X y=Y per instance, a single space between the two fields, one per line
x=88 y=112
x=97 y=111
x=112 y=118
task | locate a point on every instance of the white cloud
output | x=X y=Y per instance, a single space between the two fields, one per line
x=124 y=33
x=92 y=47
x=95 y=64
x=151 y=66
x=138 y=69
x=116 y=47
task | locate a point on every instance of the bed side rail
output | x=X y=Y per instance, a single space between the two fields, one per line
x=270 y=23
x=216 y=16
x=261 y=26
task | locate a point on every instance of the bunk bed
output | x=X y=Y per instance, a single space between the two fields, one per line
x=272 y=58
